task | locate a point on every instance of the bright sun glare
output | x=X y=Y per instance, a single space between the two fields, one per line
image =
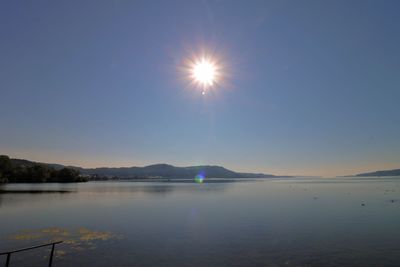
x=204 y=72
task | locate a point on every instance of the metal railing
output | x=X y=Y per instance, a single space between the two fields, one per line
x=53 y=244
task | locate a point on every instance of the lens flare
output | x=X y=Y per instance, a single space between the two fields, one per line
x=199 y=178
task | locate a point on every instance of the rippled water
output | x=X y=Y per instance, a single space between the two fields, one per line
x=270 y=222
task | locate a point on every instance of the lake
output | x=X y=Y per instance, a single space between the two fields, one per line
x=261 y=222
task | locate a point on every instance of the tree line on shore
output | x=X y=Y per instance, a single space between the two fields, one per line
x=36 y=173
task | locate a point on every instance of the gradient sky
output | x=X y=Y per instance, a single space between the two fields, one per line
x=313 y=88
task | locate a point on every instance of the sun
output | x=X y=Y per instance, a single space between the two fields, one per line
x=204 y=72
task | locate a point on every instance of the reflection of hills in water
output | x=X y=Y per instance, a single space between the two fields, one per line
x=161 y=188
x=15 y=194
x=36 y=191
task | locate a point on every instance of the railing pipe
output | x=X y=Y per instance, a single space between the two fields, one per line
x=51 y=255
x=52 y=244
x=8 y=259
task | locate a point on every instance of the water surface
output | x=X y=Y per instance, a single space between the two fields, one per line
x=264 y=222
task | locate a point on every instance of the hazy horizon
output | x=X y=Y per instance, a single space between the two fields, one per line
x=305 y=88
x=334 y=171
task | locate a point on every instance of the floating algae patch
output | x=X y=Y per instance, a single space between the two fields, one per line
x=80 y=239
x=56 y=231
x=89 y=235
x=58 y=253
x=26 y=235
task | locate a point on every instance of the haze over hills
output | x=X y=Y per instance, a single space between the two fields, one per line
x=395 y=172
x=170 y=171
x=157 y=170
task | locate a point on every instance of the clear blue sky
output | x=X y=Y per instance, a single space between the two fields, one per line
x=313 y=88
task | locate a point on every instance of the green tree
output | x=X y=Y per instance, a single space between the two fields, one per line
x=38 y=173
x=19 y=175
x=6 y=167
x=17 y=172
x=3 y=179
x=68 y=175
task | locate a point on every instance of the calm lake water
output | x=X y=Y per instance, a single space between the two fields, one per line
x=270 y=222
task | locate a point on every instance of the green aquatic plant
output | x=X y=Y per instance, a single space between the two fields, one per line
x=80 y=239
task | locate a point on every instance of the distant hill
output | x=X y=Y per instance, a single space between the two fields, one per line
x=157 y=170
x=28 y=163
x=25 y=171
x=395 y=172
x=169 y=171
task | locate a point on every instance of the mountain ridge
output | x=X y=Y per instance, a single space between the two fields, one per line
x=161 y=170
x=393 y=172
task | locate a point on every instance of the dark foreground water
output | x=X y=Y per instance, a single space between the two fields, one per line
x=278 y=222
